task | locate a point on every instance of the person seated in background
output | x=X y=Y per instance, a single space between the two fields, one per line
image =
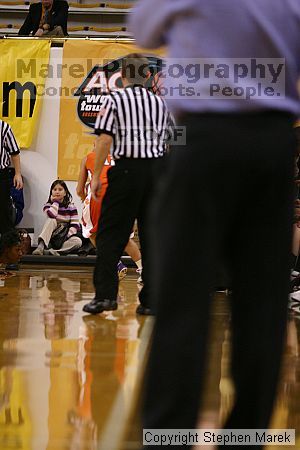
x=47 y=18
x=10 y=251
x=92 y=208
x=61 y=233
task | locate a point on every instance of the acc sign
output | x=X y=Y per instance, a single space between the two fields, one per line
x=103 y=79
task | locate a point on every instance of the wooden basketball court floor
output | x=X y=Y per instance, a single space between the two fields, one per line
x=71 y=381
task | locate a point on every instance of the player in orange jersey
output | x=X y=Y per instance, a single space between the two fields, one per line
x=92 y=208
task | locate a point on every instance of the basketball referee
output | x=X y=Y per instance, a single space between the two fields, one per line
x=9 y=150
x=135 y=122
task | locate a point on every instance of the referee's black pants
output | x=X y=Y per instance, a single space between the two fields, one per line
x=131 y=184
x=228 y=192
x=5 y=214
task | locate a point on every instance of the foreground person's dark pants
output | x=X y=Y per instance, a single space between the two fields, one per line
x=227 y=193
x=5 y=213
x=131 y=185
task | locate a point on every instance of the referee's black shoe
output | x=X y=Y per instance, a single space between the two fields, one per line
x=144 y=311
x=98 y=306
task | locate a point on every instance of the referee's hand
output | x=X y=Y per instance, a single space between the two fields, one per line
x=18 y=182
x=95 y=188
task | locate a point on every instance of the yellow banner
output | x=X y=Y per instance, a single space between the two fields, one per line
x=23 y=71
x=83 y=81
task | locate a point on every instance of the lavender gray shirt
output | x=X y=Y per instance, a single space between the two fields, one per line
x=225 y=55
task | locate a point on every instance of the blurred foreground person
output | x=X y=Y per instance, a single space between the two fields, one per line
x=237 y=96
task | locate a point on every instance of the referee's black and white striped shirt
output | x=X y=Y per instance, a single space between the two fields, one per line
x=138 y=120
x=8 y=145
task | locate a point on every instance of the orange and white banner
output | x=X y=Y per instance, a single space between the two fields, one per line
x=84 y=79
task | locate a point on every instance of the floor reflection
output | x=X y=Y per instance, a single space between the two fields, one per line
x=63 y=373
x=60 y=370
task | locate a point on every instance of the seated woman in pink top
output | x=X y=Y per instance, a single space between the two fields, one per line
x=61 y=232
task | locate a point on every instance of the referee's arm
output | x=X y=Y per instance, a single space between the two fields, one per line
x=12 y=148
x=156 y=17
x=105 y=129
